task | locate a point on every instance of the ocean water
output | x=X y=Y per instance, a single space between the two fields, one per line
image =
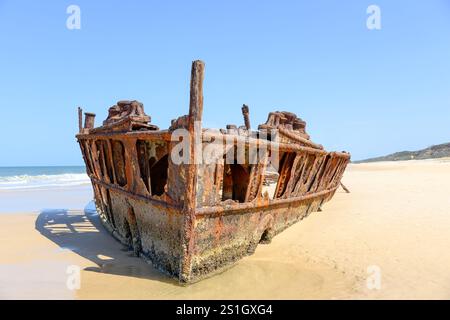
x=39 y=189
x=16 y=178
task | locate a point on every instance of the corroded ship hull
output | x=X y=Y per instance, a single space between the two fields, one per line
x=194 y=218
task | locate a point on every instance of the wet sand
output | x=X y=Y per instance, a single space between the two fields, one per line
x=396 y=220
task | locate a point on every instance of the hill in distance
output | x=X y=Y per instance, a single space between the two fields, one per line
x=433 y=152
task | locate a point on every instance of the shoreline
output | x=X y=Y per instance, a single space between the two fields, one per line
x=395 y=221
x=38 y=199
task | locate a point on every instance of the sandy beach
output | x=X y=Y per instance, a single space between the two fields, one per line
x=392 y=227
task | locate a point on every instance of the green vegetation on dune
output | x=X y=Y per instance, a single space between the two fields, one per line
x=437 y=151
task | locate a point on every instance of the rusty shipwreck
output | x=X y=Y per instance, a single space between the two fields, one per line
x=193 y=219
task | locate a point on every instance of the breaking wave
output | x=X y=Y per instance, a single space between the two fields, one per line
x=43 y=181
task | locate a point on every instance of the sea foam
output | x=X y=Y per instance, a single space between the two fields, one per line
x=43 y=181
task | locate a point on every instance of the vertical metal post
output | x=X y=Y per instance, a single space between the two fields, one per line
x=245 y=113
x=89 y=120
x=190 y=203
x=80 y=120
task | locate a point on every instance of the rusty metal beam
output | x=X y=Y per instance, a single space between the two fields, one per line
x=247 y=141
x=297 y=138
x=245 y=113
x=257 y=205
x=144 y=135
x=156 y=202
x=195 y=117
x=80 y=120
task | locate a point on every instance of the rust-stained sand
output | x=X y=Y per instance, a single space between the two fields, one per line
x=396 y=217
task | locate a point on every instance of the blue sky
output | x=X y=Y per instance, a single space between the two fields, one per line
x=370 y=92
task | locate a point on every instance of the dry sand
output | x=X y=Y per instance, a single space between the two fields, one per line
x=396 y=220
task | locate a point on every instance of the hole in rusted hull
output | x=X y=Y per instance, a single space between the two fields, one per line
x=107 y=159
x=236 y=178
x=266 y=236
x=111 y=215
x=127 y=232
x=285 y=168
x=158 y=175
x=144 y=163
x=119 y=162
x=135 y=239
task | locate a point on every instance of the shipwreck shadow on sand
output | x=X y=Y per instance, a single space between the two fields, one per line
x=82 y=232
